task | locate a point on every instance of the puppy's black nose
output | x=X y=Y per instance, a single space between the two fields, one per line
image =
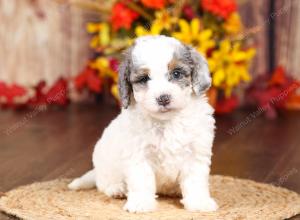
x=164 y=100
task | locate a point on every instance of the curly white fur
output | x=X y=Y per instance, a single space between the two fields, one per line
x=142 y=153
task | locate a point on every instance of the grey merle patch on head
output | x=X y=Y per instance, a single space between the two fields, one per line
x=200 y=76
x=125 y=87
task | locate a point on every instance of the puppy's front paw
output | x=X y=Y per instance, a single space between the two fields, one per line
x=202 y=204
x=140 y=204
x=116 y=191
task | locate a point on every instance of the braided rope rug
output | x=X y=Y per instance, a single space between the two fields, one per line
x=238 y=199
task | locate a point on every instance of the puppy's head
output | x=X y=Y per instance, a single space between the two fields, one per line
x=161 y=75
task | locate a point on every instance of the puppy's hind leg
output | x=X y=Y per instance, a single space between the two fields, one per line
x=87 y=181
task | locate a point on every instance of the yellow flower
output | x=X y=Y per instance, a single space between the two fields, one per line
x=192 y=34
x=163 y=21
x=229 y=65
x=102 y=64
x=155 y=29
x=114 y=91
x=233 y=24
x=93 y=27
x=103 y=34
x=103 y=40
x=117 y=44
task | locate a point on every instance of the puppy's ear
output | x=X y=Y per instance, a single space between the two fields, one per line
x=201 y=79
x=125 y=88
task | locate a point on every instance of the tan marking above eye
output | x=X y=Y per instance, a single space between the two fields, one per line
x=173 y=64
x=143 y=71
x=177 y=63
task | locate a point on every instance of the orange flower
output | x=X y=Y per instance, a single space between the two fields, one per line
x=155 y=4
x=221 y=8
x=122 y=16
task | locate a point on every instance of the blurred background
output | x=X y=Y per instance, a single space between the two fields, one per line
x=58 y=74
x=75 y=46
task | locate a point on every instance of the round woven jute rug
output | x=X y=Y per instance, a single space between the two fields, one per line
x=238 y=199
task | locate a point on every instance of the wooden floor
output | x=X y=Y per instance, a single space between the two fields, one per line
x=39 y=145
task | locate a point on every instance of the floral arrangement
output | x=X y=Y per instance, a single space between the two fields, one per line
x=213 y=27
x=271 y=92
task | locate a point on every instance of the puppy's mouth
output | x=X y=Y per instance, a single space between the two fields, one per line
x=164 y=113
x=165 y=109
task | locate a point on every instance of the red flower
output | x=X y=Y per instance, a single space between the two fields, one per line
x=279 y=77
x=9 y=93
x=271 y=93
x=90 y=79
x=188 y=12
x=114 y=64
x=57 y=94
x=221 y=8
x=227 y=105
x=122 y=16
x=155 y=4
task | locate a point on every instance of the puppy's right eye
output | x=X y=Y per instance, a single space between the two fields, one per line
x=143 y=79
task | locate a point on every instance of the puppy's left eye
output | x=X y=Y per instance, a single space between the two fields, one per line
x=177 y=74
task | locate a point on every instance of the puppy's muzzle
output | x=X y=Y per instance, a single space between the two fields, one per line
x=163 y=100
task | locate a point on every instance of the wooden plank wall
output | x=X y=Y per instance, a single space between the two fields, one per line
x=44 y=40
x=255 y=16
x=287 y=38
x=41 y=40
x=286 y=20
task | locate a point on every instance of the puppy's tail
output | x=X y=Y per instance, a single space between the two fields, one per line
x=87 y=181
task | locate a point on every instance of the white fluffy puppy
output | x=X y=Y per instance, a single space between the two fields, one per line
x=161 y=142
